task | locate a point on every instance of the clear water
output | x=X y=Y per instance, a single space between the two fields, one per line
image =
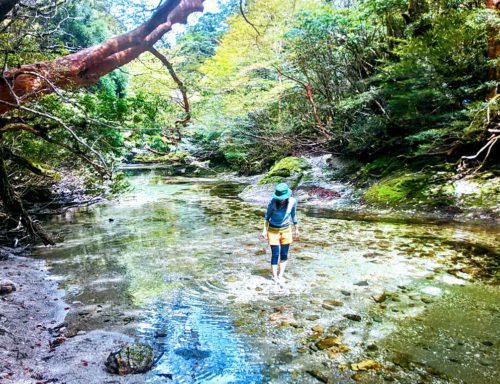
x=178 y=262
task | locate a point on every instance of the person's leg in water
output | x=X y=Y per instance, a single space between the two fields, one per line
x=275 y=255
x=283 y=259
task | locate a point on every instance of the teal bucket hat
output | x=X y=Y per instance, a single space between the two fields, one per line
x=282 y=192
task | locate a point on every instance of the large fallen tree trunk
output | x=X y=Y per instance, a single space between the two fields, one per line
x=85 y=67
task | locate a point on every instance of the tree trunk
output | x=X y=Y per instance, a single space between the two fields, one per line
x=85 y=67
x=183 y=90
x=14 y=207
x=6 y=6
x=493 y=48
x=310 y=98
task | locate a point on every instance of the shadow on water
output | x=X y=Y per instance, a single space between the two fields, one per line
x=198 y=343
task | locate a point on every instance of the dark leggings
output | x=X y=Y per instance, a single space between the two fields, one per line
x=278 y=253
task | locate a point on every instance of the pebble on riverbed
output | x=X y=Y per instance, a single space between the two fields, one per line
x=352 y=317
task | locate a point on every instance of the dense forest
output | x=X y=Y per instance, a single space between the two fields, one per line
x=260 y=191
x=400 y=87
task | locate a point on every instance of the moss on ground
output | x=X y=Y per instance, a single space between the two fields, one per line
x=436 y=189
x=289 y=167
x=407 y=189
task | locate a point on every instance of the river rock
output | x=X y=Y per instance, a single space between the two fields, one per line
x=403 y=359
x=362 y=283
x=317 y=328
x=427 y=300
x=486 y=362
x=318 y=375
x=132 y=358
x=359 y=376
x=4 y=253
x=380 y=298
x=352 y=316
x=328 y=342
x=6 y=286
x=366 y=365
x=333 y=303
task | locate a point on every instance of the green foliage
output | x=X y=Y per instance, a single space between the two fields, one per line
x=389 y=82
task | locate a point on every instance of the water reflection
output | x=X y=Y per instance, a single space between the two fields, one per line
x=179 y=262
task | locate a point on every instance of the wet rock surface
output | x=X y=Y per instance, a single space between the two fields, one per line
x=132 y=358
x=6 y=286
x=34 y=347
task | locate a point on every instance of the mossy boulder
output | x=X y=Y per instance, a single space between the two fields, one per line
x=132 y=358
x=436 y=189
x=289 y=169
x=482 y=191
x=169 y=158
x=409 y=189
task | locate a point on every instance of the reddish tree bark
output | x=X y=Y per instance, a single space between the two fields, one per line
x=85 y=67
x=493 y=48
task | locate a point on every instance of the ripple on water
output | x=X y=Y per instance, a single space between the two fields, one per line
x=198 y=342
x=196 y=255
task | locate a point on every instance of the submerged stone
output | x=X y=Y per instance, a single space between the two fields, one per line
x=427 y=300
x=366 y=365
x=335 y=303
x=486 y=362
x=362 y=283
x=380 y=298
x=403 y=359
x=318 y=375
x=317 y=328
x=352 y=316
x=132 y=358
x=328 y=342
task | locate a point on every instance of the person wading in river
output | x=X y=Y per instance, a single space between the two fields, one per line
x=280 y=215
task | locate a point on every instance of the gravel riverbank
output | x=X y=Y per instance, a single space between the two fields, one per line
x=34 y=344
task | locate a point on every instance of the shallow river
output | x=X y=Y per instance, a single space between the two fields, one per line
x=178 y=262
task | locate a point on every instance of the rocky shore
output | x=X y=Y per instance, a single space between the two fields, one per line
x=34 y=344
x=439 y=198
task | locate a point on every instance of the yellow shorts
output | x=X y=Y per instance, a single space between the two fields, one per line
x=276 y=236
